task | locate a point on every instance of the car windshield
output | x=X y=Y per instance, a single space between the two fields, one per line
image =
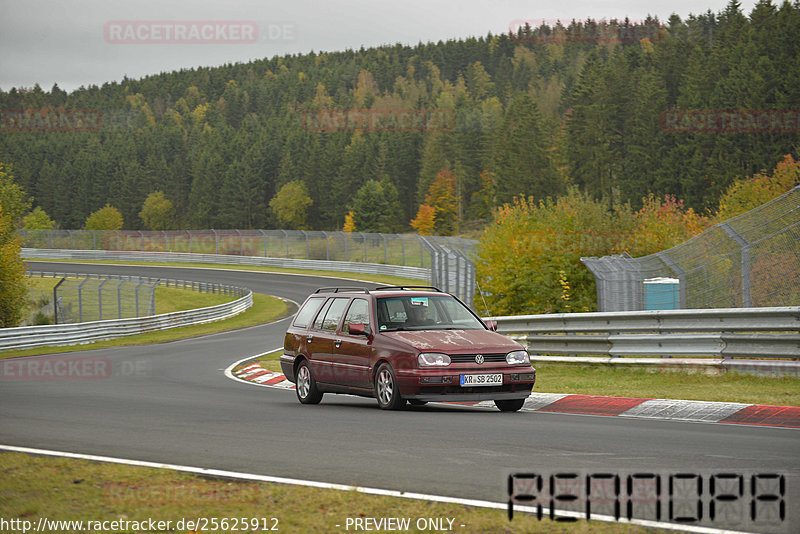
x=437 y=312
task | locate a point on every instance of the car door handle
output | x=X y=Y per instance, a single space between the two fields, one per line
x=337 y=343
x=309 y=338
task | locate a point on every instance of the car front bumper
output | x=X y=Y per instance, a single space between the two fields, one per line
x=443 y=384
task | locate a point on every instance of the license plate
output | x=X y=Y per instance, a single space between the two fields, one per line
x=482 y=380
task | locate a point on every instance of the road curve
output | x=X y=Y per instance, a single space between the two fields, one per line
x=171 y=403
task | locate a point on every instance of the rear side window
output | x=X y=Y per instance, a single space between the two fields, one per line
x=358 y=313
x=328 y=319
x=307 y=312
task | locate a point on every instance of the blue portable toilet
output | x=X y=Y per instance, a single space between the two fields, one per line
x=662 y=294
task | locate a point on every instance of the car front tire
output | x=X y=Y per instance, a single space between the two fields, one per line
x=306 y=387
x=512 y=405
x=386 y=389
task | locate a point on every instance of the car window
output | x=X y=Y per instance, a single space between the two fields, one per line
x=437 y=312
x=456 y=313
x=321 y=315
x=333 y=312
x=307 y=312
x=357 y=313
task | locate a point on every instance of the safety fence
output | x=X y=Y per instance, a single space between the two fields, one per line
x=25 y=337
x=751 y=260
x=390 y=249
x=78 y=298
x=675 y=337
x=442 y=261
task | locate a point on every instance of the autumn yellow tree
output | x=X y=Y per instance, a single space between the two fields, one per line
x=290 y=205
x=425 y=220
x=349 y=222
x=157 y=211
x=13 y=288
x=106 y=218
x=748 y=193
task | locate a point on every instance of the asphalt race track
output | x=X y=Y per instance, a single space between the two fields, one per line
x=171 y=403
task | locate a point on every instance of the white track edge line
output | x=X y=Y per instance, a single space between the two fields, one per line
x=360 y=489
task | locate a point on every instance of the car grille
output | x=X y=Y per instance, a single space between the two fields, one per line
x=470 y=358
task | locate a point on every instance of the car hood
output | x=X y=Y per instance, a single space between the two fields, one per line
x=455 y=341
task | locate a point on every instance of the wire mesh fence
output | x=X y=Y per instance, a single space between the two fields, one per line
x=752 y=260
x=391 y=249
x=78 y=298
x=449 y=258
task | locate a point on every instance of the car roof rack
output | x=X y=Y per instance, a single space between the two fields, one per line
x=342 y=290
x=409 y=288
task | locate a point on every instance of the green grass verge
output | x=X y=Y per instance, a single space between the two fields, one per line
x=376 y=278
x=265 y=309
x=628 y=382
x=33 y=487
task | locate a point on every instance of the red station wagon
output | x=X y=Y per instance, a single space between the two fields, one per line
x=402 y=344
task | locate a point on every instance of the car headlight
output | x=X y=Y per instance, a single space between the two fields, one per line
x=433 y=359
x=518 y=357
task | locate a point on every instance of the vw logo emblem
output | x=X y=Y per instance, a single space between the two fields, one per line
x=479 y=359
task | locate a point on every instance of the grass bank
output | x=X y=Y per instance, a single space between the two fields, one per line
x=34 y=487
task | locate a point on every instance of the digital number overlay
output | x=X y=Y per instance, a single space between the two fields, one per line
x=749 y=501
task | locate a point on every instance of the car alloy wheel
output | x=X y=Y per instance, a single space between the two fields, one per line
x=386 y=389
x=307 y=392
x=511 y=405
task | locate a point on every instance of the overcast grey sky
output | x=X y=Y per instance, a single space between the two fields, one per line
x=56 y=41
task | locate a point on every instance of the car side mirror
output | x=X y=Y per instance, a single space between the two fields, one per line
x=358 y=329
x=491 y=325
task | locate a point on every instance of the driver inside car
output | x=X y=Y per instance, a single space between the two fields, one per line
x=418 y=316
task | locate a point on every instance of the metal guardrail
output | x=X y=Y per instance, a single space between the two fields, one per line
x=405 y=271
x=716 y=333
x=70 y=334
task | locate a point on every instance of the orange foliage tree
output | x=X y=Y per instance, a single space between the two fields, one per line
x=425 y=220
x=441 y=198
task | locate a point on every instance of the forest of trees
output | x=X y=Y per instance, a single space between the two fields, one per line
x=533 y=117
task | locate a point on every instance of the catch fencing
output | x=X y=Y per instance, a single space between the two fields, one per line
x=79 y=298
x=752 y=260
x=446 y=262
